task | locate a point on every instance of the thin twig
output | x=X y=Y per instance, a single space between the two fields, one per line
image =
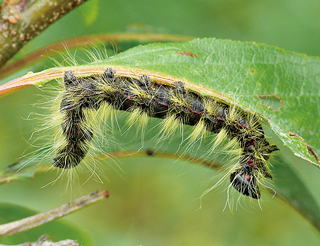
x=39 y=219
x=12 y=174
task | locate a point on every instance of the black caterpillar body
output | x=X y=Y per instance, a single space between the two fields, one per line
x=161 y=101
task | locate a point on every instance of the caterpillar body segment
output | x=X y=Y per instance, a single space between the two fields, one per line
x=142 y=97
x=76 y=132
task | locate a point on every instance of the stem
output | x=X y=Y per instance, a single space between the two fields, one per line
x=39 y=219
x=22 y=20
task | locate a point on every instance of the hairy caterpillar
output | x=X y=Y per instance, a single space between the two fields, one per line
x=143 y=97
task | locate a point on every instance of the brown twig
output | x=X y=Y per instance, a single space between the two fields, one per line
x=22 y=20
x=39 y=219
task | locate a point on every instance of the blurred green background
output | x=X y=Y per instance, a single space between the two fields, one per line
x=156 y=201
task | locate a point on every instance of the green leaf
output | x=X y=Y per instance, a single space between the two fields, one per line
x=241 y=73
x=245 y=73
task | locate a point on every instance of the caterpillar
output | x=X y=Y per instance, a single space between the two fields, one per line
x=143 y=97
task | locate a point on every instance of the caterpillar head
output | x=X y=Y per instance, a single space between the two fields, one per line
x=244 y=180
x=253 y=167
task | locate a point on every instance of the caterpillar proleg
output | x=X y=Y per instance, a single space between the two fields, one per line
x=144 y=97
